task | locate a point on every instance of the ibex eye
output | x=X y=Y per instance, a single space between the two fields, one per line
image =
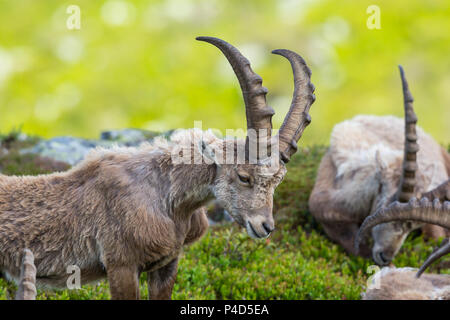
x=244 y=178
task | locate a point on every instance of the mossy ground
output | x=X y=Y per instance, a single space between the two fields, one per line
x=297 y=262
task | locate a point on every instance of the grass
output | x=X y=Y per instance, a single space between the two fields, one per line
x=297 y=262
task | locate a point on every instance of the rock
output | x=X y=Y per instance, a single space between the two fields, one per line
x=128 y=137
x=65 y=149
x=22 y=137
x=72 y=150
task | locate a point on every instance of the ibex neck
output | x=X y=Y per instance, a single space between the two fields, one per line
x=191 y=187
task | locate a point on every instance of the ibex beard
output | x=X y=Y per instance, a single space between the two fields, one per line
x=125 y=211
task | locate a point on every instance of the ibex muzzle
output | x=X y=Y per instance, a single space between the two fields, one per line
x=260 y=223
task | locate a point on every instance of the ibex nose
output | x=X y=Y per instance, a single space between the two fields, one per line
x=260 y=224
x=269 y=227
x=381 y=258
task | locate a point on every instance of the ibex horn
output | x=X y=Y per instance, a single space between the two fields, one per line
x=408 y=178
x=27 y=282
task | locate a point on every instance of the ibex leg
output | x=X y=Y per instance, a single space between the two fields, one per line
x=160 y=282
x=123 y=283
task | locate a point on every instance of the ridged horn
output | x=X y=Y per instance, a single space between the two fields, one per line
x=441 y=192
x=407 y=185
x=433 y=212
x=27 y=282
x=298 y=118
x=443 y=249
x=258 y=113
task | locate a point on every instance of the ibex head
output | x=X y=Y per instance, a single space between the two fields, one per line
x=433 y=208
x=245 y=188
x=388 y=237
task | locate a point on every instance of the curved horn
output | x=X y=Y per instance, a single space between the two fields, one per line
x=441 y=192
x=298 y=117
x=259 y=114
x=408 y=178
x=27 y=283
x=434 y=212
x=443 y=249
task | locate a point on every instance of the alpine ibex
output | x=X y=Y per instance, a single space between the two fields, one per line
x=124 y=211
x=402 y=284
x=366 y=168
x=433 y=208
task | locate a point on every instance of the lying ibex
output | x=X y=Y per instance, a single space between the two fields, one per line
x=402 y=284
x=124 y=211
x=367 y=168
x=433 y=208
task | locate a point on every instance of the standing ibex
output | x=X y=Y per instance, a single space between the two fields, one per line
x=366 y=168
x=124 y=211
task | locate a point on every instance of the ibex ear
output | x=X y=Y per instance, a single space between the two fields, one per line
x=208 y=153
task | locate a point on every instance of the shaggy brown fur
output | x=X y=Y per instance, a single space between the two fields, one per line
x=116 y=214
x=124 y=211
x=402 y=284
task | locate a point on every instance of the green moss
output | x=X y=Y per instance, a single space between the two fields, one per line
x=16 y=140
x=13 y=162
x=297 y=262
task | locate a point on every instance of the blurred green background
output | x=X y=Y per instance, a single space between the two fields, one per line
x=136 y=63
